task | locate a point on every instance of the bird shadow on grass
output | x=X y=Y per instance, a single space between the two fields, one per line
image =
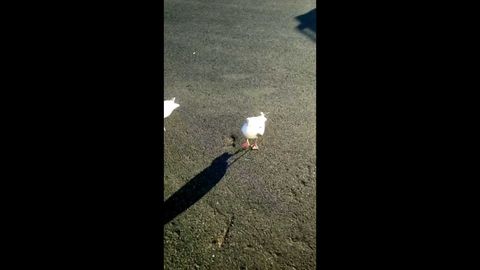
x=197 y=187
x=308 y=24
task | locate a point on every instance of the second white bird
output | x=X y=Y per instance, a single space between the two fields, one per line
x=168 y=107
x=252 y=128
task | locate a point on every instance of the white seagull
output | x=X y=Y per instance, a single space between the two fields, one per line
x=252 y=128
x=168 y=107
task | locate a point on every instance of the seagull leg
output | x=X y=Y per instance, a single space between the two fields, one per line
x=246 y=144
x=255 y=146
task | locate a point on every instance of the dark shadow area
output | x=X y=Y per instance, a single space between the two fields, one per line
x=197 y=187
x=308 y=24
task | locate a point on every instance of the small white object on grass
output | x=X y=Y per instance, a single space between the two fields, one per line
x=252 y=128
x=168 y=107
